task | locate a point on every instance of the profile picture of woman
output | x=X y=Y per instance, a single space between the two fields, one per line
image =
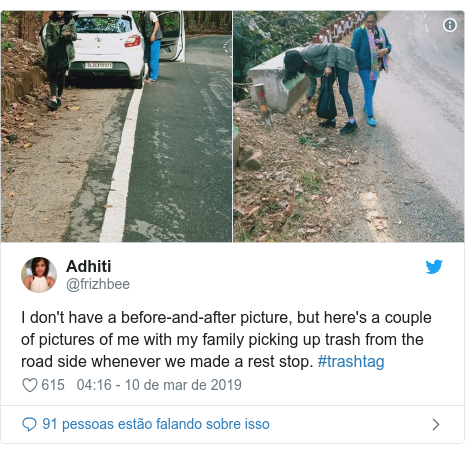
x=38 y=275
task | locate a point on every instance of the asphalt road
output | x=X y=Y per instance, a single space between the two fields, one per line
x=180 y=179
x=422 y=98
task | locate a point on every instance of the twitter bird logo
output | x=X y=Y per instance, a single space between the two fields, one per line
x=433 y=268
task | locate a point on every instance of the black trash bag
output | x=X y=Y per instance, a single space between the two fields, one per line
x=57 y=58
x=326 y=107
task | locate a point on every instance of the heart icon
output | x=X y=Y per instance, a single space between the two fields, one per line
x=30 y=384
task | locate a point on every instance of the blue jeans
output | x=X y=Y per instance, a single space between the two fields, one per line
x=152 y=55
x=343 y=81
x=369 y=89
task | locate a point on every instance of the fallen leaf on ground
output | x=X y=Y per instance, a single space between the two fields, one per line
x=27 y=145
x=272 y=199
x=252 y=211
x=329 y=199
x=74 y=108
x=107 y=206
x=7 y=230
x=348 y=162
x=11 y=194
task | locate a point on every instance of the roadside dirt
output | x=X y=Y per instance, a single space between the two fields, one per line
x=318 y=185
x=44 y=155
x=22 y=55
x=305 y=190
x=45 y=162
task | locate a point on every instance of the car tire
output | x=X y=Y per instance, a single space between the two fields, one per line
x=139 y=82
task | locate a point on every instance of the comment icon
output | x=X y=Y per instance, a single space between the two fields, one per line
x=29 y=423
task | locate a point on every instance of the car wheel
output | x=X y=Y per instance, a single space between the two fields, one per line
x=139 y=82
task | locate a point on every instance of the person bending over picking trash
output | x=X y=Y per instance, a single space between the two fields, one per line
x=318 y=60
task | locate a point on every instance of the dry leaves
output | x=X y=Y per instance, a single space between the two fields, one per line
x=252 y=211
x=348 y=162
x=27 y=145
x=288 y=210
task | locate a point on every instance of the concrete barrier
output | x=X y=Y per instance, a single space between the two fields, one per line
x=236 y=145
x=280 y=95
x=286 y=96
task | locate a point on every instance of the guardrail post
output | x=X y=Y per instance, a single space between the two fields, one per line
x=264 y=110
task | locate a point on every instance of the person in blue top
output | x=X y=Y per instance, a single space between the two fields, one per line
x=372 y=49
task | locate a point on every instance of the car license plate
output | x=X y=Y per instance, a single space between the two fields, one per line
x=99 y=65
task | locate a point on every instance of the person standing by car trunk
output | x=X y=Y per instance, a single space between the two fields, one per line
x=152 y=34
x=59 y=52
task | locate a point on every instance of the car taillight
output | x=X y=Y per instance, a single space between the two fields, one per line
x=132 y=41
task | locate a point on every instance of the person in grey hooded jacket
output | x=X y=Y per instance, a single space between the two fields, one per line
x=328 y=60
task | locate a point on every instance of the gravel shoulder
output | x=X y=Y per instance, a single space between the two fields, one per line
x=40 y=182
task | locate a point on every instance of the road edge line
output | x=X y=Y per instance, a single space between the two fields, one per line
x=115 y=210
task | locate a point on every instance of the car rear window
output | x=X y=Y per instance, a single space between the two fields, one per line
x=96 y=24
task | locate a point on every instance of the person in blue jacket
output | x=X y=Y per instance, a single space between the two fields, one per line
x=372 y=49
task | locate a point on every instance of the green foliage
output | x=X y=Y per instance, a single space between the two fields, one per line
x=261 y=35
x=304 y=141
x=7 y=46
x=312 y=180
x=6 y=16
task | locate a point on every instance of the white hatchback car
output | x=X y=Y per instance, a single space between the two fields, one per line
x=109 y=43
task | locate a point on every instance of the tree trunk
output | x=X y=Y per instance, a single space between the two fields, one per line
x=28 y=26
x=45 y=16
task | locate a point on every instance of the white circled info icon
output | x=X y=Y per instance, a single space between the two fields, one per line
x=450 y=25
